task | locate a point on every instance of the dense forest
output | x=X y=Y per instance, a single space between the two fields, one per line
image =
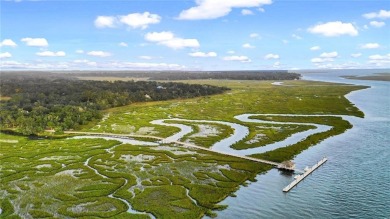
x=31 y=103
x=194 y=75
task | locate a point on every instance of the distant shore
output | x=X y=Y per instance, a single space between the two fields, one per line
x=374 y=77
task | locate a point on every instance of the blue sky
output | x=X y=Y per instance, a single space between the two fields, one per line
x=194 y=34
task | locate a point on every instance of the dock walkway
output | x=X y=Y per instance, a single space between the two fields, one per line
x=304 y=175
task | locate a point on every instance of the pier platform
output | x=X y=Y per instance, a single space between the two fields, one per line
x=304 y=175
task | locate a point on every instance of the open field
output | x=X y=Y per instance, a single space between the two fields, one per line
x=65 y=178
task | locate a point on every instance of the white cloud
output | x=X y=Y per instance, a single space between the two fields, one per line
x=329 y=55
x=231 y=52
x=285 y=41
x=123 y=44
x=325 y=57
x=333 y=29
x=5 y=55
x=51 y=54
x=246 y=12
x=179 y=43
x=383 y=14
x=276 y=65
x=159 y=36
x=248 y=46
x=105 y=21
x=8 y=42
x=85 y=62
x=356 y=55
x=254 y=35
x=138 y=20
x=379 y=60
x=40 y=42
x=135 y=20
x=99 y=53
x=296 y=37
x=261 y=9
x=203 y=54
x=145 y=57
x=168 y=39
x=211 y=9
x=370 y=46
x=271 y=56
x=315 y=48
x=377 y=24
x=237 y=58
x=321 y=60
x=80 y=51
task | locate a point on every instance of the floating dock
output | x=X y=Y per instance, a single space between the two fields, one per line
x=302 y=176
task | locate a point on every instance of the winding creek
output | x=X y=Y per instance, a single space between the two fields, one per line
x=325 y=194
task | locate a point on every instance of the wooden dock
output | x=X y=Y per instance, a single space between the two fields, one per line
x=304 y=175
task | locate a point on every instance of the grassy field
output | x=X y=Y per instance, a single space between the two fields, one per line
x=95 y=178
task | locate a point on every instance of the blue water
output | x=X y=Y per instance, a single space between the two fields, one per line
x=354 y=183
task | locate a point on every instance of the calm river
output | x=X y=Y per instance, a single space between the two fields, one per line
x=354 y=183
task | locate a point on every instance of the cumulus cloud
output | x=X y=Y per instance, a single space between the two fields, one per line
x=51 y=54
x=325 y=57
x=8 y=42
x=333 y=29
x=248 y=46
x=86 y=64
x=39 y=42
x=80 y=51
x=159 y=36
x=123 y=44
x=106 y=21
x=254 y=35
x=296 y=37
x=99 y=53
x=356 y=55
x=168 y=39
x=231 y=52
x=246 y=12
x=5 y=55
x=211 y=9
x=145 y=57
x=203 y=54
x=315 y=48
x=379 y=60
x=138 y=20
x=237 y=58
x=135 y=20
x=370 y=46
x=383 y=14
x=329 y=55
x=377 y=24
x=321 y=60
x=271 y=56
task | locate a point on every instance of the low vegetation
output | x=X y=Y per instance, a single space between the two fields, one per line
x=94 y=178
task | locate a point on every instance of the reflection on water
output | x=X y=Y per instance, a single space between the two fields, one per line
x=355 y=181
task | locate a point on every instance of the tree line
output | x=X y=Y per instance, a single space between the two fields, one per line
x=63 y=103
x=197 y=75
